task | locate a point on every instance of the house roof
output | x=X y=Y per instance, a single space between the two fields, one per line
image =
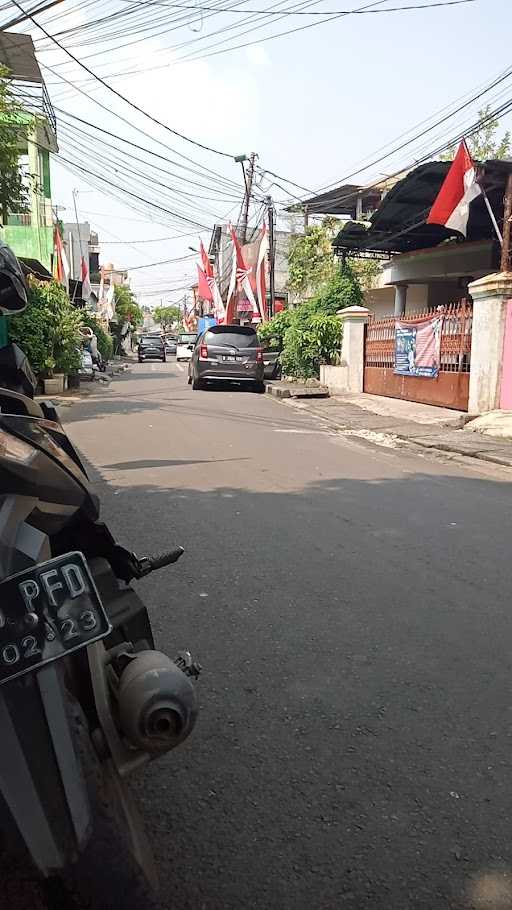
x=398 y=225
x=18 y=55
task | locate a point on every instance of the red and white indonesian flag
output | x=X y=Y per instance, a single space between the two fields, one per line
x=86 y=282
x=240 y=278
x=460 y=187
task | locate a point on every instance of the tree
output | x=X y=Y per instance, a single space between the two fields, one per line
x=311 y=261
x=13 y=192
x=484 y=144
x=167 y=316
x=311 y=332
x=127 y=308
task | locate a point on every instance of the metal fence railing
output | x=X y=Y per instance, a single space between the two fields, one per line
x=455 y=337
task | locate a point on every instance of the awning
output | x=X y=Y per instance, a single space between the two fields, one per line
x=34 y=267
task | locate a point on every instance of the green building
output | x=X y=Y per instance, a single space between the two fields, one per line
x=30 y=233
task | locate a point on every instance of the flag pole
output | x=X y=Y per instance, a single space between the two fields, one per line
x=487 y=203
x=492 y=216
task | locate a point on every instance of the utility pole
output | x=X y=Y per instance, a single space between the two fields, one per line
x=271 y=254
x=248 y=178
x=507 y=227
x=306 y=218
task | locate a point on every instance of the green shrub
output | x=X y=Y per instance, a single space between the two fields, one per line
x=48 y=329
x=312 y=333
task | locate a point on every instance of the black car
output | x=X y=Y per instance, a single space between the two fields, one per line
x=152 y=347
x=227 y=352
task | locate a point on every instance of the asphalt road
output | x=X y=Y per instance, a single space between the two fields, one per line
x=351 y=607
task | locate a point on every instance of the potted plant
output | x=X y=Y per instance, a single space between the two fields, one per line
x=53 y=384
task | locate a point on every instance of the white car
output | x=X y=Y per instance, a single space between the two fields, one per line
x=185 y=346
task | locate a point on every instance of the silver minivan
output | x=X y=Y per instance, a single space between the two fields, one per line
x=228 y=353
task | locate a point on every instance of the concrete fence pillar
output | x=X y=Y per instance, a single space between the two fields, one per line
x=354 y=319
x=490 y=298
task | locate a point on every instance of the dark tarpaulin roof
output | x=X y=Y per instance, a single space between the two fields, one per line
x=18 y=55
x=34 y=267
x=342 y=200
x=398 y=225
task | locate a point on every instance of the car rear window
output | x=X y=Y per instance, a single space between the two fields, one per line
x=153 y=341
x=232 y=339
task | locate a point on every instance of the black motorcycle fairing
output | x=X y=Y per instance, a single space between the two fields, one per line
x=42 y=435
x=16 y=373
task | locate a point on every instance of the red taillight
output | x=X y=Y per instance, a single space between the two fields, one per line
x=259 y=355
x=203 y=352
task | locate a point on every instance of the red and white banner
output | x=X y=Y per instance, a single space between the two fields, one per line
x=61 y=268
x=86 y=282
x=261 y=273
x=240 y=280
x=203 y=286
x=459 y=188
x=205 y=259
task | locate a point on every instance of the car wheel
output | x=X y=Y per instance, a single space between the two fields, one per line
x=259 y=387
x=140 y=360
x=189 y=380
x=164 y=359
x=197 y=384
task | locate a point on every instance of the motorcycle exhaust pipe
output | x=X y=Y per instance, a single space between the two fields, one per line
x=157 y=703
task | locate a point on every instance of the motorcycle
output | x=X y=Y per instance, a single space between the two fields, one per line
x=85 y=699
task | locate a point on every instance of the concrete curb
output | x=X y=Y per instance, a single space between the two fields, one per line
x=301 y=391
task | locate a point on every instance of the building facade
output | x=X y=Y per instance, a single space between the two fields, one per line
x=29 y=231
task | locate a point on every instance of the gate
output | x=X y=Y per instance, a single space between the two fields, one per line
x=451 y=388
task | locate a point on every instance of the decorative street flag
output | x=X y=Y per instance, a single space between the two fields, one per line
x=60 y=263
x=261 y=273
x=460 y=187
x=218 y=304
x=240 y=278
x=205 y=259
x=203 y=286
x=86 y=283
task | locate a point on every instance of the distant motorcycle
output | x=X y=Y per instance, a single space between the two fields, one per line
x=85 y=699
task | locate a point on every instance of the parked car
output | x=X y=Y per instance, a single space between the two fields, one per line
x=185 y=346
x=151 y=347
x=170 y=344
x=227 y=352
x=271 y=363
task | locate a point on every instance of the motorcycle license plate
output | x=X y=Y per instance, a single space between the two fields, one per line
x=46 y=612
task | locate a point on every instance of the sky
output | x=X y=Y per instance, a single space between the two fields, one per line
x=315 y=106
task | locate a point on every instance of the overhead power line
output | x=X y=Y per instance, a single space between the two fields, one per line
x=114 y=91
x=325 y=12
x=477 y=96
